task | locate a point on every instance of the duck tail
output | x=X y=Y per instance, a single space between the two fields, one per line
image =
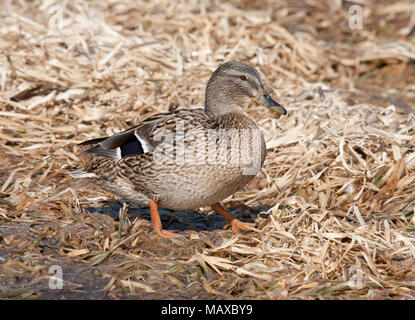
x=80 y=173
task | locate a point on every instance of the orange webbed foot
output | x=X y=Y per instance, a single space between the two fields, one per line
x=155 y=218
x=238 y=225
x=168 y=234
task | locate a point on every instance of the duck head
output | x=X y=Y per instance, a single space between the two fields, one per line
x=231 y=85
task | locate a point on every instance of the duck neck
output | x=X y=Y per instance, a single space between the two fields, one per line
x=219 y=103
x=216 y=111
x=234 y=120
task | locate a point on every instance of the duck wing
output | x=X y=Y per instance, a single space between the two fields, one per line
x=142 y=138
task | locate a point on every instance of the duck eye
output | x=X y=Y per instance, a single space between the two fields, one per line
x=243 y=77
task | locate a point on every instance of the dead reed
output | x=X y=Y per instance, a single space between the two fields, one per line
x=334 y=204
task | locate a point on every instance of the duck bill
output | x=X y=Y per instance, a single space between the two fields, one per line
x=264 y=99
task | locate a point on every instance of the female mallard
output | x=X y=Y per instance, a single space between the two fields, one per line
x=187 y=159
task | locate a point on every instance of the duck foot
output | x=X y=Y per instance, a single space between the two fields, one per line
x=167 y=234
x=236 y=224
x=157 y=227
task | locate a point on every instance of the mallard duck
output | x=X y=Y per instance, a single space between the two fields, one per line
x=187 y=158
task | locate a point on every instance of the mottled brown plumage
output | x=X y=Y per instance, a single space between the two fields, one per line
x=187 y=158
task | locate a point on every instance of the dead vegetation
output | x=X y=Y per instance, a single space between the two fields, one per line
x=334 y=204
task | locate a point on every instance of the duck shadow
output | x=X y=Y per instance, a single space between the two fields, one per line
x=186 y=219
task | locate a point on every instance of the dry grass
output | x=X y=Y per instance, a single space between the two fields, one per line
x=334 y=204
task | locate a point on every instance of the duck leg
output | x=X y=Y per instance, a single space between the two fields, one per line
x=236 y=224
x=155 y=219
